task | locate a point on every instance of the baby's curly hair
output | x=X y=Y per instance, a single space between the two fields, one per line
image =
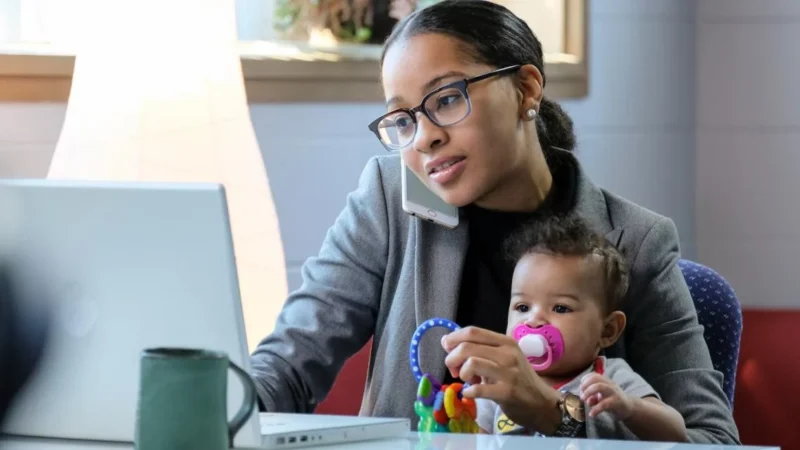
x=571 y=236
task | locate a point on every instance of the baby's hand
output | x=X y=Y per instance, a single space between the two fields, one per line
x=601 y=394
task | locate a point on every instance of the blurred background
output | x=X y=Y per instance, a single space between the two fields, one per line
x=688 y=107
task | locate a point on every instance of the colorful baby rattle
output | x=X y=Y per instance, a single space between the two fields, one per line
x=441 y=408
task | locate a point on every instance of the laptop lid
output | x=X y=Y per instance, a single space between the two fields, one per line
x=127 y=266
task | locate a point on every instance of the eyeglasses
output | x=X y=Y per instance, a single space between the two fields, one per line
x=444 y=106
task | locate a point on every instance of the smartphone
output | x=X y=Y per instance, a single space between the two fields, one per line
x=421 y=202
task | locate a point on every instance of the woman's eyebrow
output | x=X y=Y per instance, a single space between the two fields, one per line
x=434 y=82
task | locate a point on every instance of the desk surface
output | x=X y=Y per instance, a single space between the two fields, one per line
x=416 y=442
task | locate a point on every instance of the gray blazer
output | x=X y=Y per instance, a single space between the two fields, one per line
x=381 y=272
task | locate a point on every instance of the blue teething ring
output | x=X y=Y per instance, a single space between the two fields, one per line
x=413 y=352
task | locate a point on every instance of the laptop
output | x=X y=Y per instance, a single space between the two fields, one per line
x=127 y=266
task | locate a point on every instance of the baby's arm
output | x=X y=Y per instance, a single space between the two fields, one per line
x=647 y=417
x=654 y=420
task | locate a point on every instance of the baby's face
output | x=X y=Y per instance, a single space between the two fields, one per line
x=565 y=292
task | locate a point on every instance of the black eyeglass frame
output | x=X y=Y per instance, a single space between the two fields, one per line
x=461 y=85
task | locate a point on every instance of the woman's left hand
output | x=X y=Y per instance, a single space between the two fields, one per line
x=496 y=369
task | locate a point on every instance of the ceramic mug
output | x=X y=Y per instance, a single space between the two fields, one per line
x=183 y=400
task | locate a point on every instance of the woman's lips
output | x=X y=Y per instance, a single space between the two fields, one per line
x=447 y=172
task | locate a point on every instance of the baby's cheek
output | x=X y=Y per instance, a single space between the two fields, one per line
x=578 y=344
x=514 y=320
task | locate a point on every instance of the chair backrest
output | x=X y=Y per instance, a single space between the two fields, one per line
x=720 y=314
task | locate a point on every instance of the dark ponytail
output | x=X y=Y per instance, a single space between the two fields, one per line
x=495 y=36
x=555 y=126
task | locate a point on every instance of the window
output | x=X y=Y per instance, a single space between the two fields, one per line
x=321 y=60
x=39 y=21
x=337 y=31
x=547 y=19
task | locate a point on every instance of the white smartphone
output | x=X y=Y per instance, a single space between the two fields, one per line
x=421 y=202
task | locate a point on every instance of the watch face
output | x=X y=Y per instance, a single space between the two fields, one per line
x=574 y=407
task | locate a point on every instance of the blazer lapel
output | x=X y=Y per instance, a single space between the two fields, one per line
x=440 y=255
x=591 y=205
x=615 y=236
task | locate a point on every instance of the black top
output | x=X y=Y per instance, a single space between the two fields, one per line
x=486 y=280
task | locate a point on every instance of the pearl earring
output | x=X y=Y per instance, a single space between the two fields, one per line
x=531 y=114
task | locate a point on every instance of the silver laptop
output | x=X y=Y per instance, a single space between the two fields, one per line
x=130 y=266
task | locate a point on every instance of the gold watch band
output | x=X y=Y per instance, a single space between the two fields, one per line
x=573 y=417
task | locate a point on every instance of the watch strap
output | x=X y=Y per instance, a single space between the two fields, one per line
x=570 y=426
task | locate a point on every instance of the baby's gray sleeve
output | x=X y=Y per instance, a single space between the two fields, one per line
x=486 y=410
x=619 y=372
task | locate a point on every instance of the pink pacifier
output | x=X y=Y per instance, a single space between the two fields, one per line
x=538 y=344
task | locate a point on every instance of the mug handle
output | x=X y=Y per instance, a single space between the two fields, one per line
x=248 y=405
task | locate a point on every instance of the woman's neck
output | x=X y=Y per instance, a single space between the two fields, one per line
x=524 y=189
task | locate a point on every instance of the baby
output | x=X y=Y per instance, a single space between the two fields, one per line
x=572 y=281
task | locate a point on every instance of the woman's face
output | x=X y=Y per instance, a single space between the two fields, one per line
x=465 y=162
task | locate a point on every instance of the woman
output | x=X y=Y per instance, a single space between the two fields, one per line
x=381 y=272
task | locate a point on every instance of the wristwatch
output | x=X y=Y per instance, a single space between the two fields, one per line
x=573 y=416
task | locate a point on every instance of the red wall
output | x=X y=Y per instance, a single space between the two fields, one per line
x=345 y=397
x=767 y=403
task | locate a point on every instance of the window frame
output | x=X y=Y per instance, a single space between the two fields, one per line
x=41 y=73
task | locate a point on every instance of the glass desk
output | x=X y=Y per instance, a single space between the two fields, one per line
x=417 y=442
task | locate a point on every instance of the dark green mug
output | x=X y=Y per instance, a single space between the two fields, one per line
x=183 y=400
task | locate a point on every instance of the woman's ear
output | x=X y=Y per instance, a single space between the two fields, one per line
x=530 y=89
x=612 y=328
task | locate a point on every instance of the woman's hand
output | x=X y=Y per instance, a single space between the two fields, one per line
x=601 y=394
x=496 y=369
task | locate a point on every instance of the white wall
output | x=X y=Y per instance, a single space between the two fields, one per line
x=748 y=160
x=314 y=154
x=636 y=129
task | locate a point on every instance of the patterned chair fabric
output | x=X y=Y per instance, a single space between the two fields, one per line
x=720 y=314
